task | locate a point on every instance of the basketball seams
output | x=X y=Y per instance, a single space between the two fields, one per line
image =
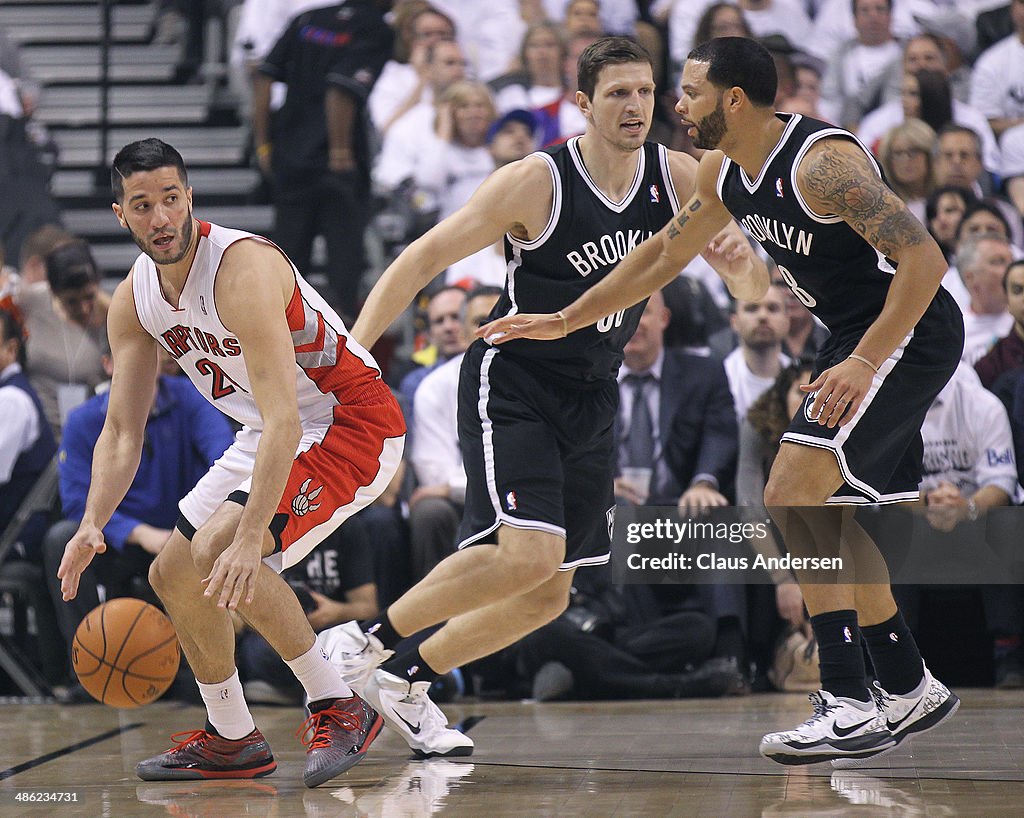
x=120 y=649
x=135 y=626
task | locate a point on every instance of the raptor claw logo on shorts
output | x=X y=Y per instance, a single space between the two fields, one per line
x=301 y=502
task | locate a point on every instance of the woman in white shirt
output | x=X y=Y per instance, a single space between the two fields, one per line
x=905 y=154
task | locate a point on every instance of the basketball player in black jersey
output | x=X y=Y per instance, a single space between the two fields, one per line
x=849 y=249
x=535 y=420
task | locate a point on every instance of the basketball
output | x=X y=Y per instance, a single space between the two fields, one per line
x=125 y=653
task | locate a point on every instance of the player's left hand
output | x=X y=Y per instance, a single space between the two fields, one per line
x=539 y=326
x=840 y=390
x=233 y=577
x=729 y=253
x=699 y=498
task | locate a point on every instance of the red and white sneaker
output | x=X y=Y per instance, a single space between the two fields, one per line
x=202 y=754
x=337 y=735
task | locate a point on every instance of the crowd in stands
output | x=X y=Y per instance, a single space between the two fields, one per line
x=365 y=113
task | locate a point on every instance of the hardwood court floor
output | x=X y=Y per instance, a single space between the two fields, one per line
x=683 y=758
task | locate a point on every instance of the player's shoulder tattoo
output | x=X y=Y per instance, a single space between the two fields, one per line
x=844 y=179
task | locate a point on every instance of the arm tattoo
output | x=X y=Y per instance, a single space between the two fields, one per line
x=682 y=219
x=847 y=183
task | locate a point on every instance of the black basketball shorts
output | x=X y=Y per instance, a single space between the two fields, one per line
x=538 y=455
x=880 y=450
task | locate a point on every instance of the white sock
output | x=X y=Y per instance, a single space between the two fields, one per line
x=226 y=707
x=318 y=676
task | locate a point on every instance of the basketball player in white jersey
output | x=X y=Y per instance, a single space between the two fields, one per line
x=321 y=438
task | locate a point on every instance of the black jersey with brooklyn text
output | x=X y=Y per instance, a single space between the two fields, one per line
x=834 y=272
x=587 y=235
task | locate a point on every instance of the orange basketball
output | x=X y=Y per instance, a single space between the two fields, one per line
x=125 y=653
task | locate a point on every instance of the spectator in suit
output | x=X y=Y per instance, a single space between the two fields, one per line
x=676 y=427
x=676 y=442
x=26 y=443
x=27 y=447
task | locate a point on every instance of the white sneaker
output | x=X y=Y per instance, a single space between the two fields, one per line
x=355 y=654
x=839 y=728
x=407 y=709
x=421 y=789
x=923 y=708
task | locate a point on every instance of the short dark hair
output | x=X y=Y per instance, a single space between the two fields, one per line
x=853 y=5
x=1006 y=276
x=607 y=51
x=739 y=62
x=955 y=128
x=10 y=327
x=989 y=206
x=141 y=156
x=481 y=290
x=71 y=266
x=931 y=205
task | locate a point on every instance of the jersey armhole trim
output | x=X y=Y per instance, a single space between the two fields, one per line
x=808 y=143
x=556 y=209
x=666 y=174
x=720 y=181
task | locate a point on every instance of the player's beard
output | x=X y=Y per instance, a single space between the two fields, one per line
x=710 y=129
x=186 y=234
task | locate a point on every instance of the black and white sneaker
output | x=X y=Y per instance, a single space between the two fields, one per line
x=839 y=728
x=920 y=710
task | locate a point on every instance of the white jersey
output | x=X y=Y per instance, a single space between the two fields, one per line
x=331 y=368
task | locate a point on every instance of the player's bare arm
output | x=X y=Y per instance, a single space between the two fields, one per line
x=254 y=285
x=514 y=199
x=836 y=177
x=649 y=267
x=119 y=447
x=729 y=253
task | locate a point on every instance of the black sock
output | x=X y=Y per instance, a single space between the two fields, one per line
x=381 y=627
x=839 y=654
x=894 y=654
x=411 y=667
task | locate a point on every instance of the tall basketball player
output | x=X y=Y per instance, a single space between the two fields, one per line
x=535 y=420
x=858 y=259
x=322 y=436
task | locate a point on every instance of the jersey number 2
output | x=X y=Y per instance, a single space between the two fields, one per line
x=222 y=385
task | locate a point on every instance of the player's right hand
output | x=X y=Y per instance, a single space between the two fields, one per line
x=540 y=327
x=78 y=553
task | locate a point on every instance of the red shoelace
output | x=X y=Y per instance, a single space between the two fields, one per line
x=189 y=737
x=319 y=723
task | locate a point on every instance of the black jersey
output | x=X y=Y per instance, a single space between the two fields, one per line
x=587 y=235
x=834 y=272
